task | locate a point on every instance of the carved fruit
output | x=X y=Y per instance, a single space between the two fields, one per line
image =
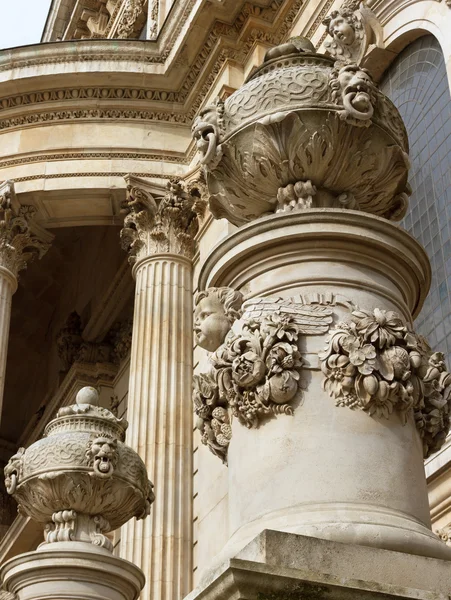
x=282 y=388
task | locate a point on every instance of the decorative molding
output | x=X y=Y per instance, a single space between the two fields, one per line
x=184 y=159
x=91 y=174
x=180 y=97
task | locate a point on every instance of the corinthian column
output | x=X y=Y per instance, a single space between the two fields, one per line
x=159 y=235
x=18 y=245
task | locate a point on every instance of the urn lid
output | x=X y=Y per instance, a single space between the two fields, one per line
x=297 y=50
x=86 y=415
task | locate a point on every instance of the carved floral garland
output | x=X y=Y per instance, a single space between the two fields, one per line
x=254 y=374
x=375 y=363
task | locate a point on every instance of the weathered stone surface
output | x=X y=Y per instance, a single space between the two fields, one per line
x=281 y=566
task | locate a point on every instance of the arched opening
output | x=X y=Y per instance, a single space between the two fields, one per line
x=417 y=83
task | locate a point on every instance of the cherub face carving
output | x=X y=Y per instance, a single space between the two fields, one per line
x=342 y=30
x=216 y=310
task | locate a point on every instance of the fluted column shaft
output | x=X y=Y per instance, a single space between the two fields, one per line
x=160 y=416
x=8 y=285
x=159 y=234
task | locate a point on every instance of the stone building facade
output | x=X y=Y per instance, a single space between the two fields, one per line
x=101 y=173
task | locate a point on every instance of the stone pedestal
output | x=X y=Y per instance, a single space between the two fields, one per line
x=284 y=566
x=328 y=471
x=71 y=570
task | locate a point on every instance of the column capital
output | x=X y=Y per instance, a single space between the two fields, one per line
x=160 y=224
x=19 y=242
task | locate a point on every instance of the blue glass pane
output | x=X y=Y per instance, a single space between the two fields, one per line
x=418 y=85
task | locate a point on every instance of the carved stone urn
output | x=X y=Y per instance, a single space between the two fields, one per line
x=320 y=394
x=304 y=132
x=81 y=482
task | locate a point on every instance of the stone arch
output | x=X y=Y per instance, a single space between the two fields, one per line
x=417 y=83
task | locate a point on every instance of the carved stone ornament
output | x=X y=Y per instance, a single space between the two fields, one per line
x=445 y=534
x=128 y=24
x=304 y=132
x=155 y=225
x=255 y=372
x=18 y=244
x=73 y=348
x=375 y=363
x=352 y=27
x=80 y=481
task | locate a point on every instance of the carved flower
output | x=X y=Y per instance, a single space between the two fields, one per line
x=279 y=327
x=380 y=327
x=283 y=356
x=248 y=369
x=363 y=358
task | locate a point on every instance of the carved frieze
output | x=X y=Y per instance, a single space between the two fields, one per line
x=165 y=224
x=130 y=19
x=18 y=244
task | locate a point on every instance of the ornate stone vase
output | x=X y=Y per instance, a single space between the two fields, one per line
x=80 y=480
x=304 y=132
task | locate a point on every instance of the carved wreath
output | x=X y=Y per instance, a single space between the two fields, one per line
x=376 y=364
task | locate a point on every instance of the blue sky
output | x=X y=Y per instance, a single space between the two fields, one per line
x=22 y=21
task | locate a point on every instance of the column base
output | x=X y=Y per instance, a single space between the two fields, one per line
x=286 y=566
x=71 y=571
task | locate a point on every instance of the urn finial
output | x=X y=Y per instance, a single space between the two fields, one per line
x=80 y=480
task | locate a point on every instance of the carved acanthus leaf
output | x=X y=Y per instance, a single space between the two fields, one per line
x=18 y=244
x=166 y=224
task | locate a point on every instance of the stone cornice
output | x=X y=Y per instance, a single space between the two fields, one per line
x=224 y=41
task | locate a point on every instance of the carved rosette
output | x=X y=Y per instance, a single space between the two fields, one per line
x=18 y=245
x=156 y=225
x=80 y=481
x=304 y=132
x=375 y=363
